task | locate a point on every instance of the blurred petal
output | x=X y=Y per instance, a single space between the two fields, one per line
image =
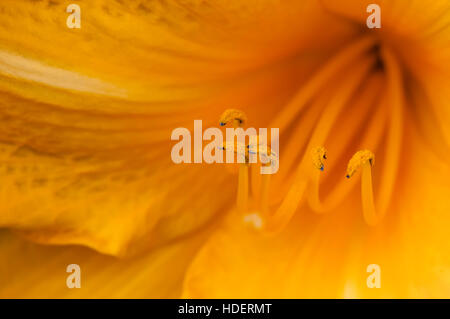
x=30 y=270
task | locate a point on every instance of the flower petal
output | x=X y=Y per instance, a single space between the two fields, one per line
x=30 y=270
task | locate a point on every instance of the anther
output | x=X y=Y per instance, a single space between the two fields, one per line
x=236 y=148
x=237 y=118
x=267 y=155
x=360 y=158
x=232 y=116
x=319 y=155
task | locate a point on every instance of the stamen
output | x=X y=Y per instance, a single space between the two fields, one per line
x=237 y=118
x=319 y=155
x=264 y=199
x=242 y=193
x=271 y=158
x=255 y=181
x=364 y=160
x=234 y=117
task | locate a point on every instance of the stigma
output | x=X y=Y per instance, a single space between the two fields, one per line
x=364 y=160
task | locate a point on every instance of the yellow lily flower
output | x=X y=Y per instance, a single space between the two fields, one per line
x=86 y=176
